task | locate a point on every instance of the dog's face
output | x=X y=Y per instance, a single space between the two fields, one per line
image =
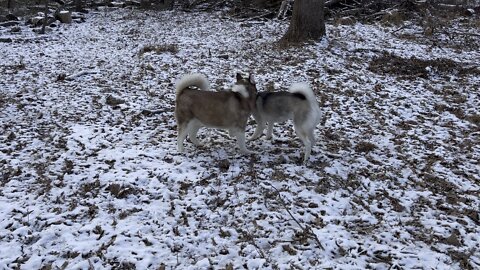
x=249 y=84
x=250 y=87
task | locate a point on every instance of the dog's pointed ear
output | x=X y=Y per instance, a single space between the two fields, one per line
x=251 y=79
x=239 y=77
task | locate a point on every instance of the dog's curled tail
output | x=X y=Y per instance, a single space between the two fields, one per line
x=195 y=79
x=304 y=89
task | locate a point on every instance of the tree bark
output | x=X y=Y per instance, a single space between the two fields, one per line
x=307 y=23
x=45 y=18
x=78 y=5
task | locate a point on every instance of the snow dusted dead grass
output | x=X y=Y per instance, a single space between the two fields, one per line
x=90 y=177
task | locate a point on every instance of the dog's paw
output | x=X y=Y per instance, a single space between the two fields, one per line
x=253 y=138
x=247 y=152
x=198 y=143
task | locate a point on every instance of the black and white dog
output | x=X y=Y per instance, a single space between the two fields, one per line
x=298 y=104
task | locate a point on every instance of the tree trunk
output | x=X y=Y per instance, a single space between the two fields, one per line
x=307 y=22
x=78 y=5
x=45 y=19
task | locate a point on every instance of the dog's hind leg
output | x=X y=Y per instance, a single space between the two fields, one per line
x=311 y=136
x=308 y=151
x=182 y=134
x=240 y=135
x=305 y=136
x=193 y=128
x=270 y=130
x=312 y=140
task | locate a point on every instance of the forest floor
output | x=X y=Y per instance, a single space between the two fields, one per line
x=90 y=177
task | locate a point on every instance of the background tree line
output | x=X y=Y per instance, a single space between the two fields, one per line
x=306 y=16
x=245 y=6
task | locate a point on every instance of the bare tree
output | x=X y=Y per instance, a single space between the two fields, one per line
x=307 y=22
x=45 y=18
x=158 y=4
x=79 y=5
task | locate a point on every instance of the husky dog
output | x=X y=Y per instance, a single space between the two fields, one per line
x=299 y=104
x=196 y=108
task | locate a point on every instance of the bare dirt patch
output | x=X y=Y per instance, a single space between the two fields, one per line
x=413 y=67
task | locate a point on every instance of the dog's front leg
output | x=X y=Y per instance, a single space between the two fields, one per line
x=192 y=133
x=182 y=135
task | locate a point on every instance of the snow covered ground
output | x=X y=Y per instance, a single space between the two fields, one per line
x=90 y=177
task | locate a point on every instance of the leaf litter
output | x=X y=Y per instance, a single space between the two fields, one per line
x=90 y=177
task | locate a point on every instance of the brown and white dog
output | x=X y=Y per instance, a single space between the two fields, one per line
x=196 y=107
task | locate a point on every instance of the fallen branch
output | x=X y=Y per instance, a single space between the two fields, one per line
x=147 y=112
x=401 y=28
x=261 y=16
x=249 y=237
x=380 y=13
x=465 y=34
x=331 y=3
x=79 y=74
x=284 y=8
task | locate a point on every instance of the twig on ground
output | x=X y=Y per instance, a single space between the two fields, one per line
x=79 y=74
x=465 y=34
x=306 y=229
x=261 y=16
x=401 y=28
x=251 y=239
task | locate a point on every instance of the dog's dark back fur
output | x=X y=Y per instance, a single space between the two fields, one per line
x=265 y=96
x=282 y=103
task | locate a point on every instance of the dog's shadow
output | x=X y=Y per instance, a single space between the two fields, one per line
x=218 y=144
x=280 y=150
